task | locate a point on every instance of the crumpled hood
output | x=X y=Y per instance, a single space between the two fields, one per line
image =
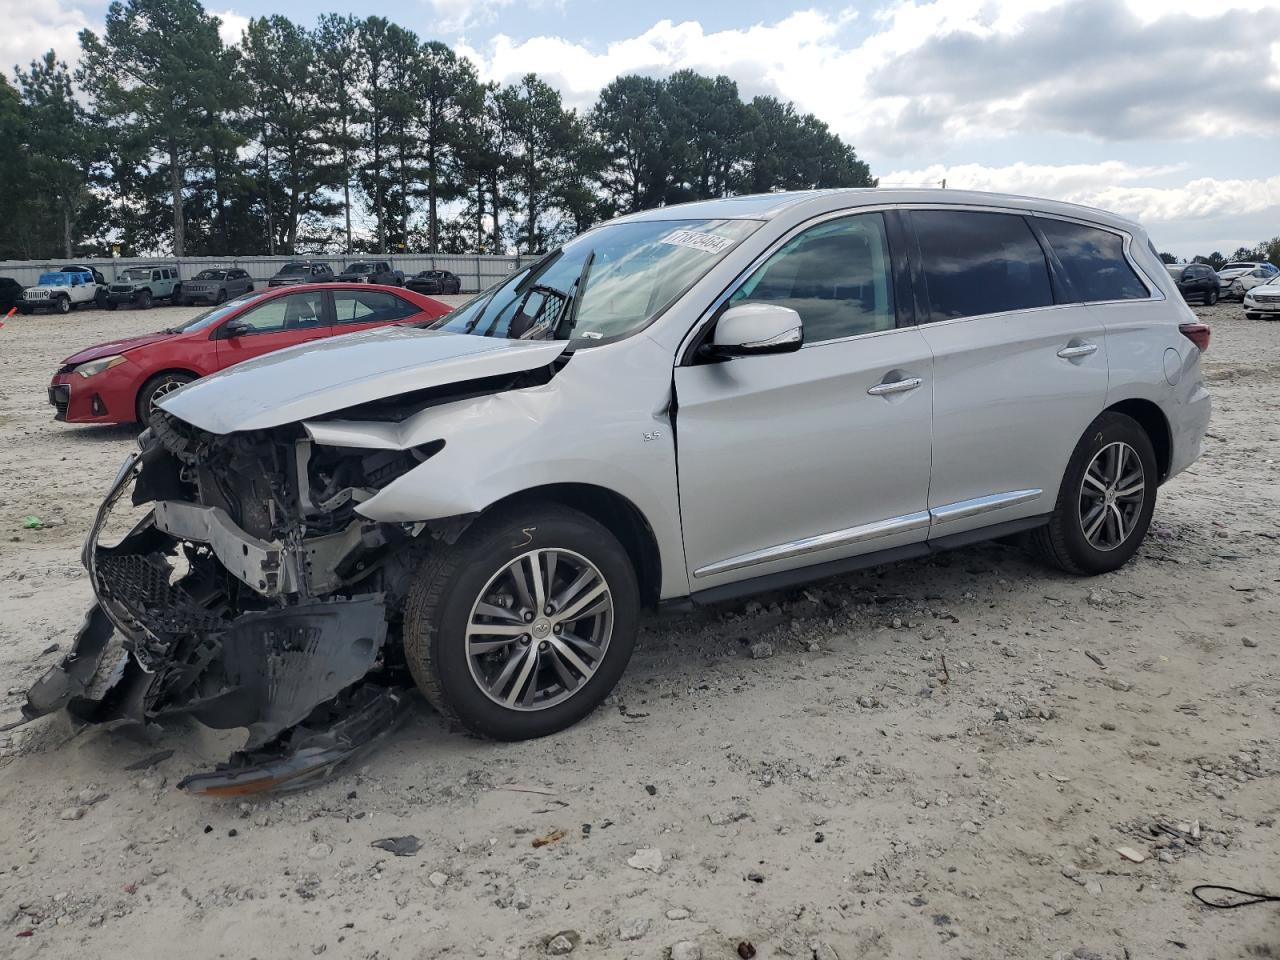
x=326 y=375
x=116 y=346
x=1233 y=273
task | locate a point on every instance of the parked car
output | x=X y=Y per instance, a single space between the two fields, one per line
x=688 y=404
x=1262 y=302
x=302 y=271
x=217 y=285
x=1240 y=276
x=1195 y=281
x=63 y=290
x=371 y=271
x=142 y=286
x=434 y=281
x=121 y=381
x=10 y=294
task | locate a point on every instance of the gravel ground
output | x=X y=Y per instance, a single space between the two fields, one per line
x=933 y=759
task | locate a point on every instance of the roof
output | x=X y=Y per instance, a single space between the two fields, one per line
x=801 y=203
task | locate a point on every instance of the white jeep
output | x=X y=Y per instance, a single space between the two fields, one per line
x=65 y=289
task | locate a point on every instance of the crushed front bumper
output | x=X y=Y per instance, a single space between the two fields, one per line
x=304 y=677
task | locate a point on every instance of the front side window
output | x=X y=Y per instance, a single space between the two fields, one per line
x=837 y=276
x=976 y=263
x=1094 y=262
x=297 y=311
x=370 y=306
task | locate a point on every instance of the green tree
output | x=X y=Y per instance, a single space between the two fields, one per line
x=158 y=72
x=278 y=67
x=337 y=78
x=538 y=124
x=705 y=124
x=447 y=88
x=375 y=96
x=628 y=120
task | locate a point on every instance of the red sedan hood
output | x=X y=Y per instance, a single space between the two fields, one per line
x=114 y=347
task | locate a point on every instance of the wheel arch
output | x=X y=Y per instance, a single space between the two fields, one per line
x=1156 y=426
x=137 y=396
x=615 y=513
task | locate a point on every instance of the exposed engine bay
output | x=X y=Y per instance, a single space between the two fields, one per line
x=250 y=594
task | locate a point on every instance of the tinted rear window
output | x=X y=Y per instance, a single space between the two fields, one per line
x=976 y=263
x=1094 y=262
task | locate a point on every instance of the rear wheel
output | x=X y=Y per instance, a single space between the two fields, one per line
x=524 y=626
x=1105 y=503
x=155 y=389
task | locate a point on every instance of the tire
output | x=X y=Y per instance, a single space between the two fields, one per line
x=62 y=304
x=175 y=297
x=1063 y=542
x=25 y=310
x=155 y=388
x=143 y=300
x=221 y=297
x=1211 y=297
x=111 y=305
x=100 y=299
x=453 y=581
x=1253 y=316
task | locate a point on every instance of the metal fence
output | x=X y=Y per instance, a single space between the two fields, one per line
x=476 y=271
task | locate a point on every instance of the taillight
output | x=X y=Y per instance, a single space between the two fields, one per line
x=1197 y=333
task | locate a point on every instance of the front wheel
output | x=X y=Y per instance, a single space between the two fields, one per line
x=154 y=390
x=63 y=304
x=525 y=625
x=144 y=300
x=1105 y=503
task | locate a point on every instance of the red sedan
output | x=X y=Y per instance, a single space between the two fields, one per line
x=120 y=382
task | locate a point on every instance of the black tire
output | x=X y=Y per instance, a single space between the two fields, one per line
x=221 y=297
x=62 y=304
x=175 y=298
x=25 y=310
x=111 y=305
x=1211 y=297
x=452 y=579
x=1254 y=316
x=100 y=299
x=143 y=300
x=157 y=386
x=1062 y=542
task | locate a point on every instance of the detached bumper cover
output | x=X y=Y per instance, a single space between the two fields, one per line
x=157 y=645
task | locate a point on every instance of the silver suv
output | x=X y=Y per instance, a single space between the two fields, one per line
x=696 y=403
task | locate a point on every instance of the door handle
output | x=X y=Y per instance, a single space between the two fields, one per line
x=895 y=386
x=1075 y=350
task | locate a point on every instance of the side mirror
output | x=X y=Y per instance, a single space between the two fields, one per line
x=235 y=328
x=753 y=329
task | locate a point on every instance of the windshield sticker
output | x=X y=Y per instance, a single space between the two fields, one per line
x=706 y=242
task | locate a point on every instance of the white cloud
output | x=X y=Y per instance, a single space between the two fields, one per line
x=232 y=27
x=1112 y=185
x=31 y=30
x=455 y=16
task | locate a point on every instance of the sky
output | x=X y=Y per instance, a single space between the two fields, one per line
x=1167 y=111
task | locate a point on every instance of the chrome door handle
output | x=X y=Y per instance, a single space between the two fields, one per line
x=895 y=386
x=1074 y=350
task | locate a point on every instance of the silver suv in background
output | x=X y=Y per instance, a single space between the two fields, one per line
x=1240 y=276
x=695 y=403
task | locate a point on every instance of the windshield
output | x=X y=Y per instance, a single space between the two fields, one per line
x=211 y=275
x=629 y=273
x=54 y=280
x=211 y=318
x=1239 y=266
x=360 y=268
x=135 y=273
x=293 y=269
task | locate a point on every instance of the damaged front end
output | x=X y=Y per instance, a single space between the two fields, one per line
x=249 y=594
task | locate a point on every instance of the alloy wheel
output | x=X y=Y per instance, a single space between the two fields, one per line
x=162 y=388
x=1112 y=493
x=540 y=629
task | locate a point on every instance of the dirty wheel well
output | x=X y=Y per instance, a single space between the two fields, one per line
x=614 y=511
x=1153 y=421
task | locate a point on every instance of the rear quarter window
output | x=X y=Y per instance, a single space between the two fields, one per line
x=976 y=263
x=1094 y=262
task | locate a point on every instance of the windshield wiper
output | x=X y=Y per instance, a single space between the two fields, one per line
x=561 y=325
x=569 y=319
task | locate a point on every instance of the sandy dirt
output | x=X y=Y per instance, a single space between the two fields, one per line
x=847 y=794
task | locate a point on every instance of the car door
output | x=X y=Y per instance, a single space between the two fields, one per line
x=799 y=459
x=362 y=309
x=280 y=322
x=1019 y=372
